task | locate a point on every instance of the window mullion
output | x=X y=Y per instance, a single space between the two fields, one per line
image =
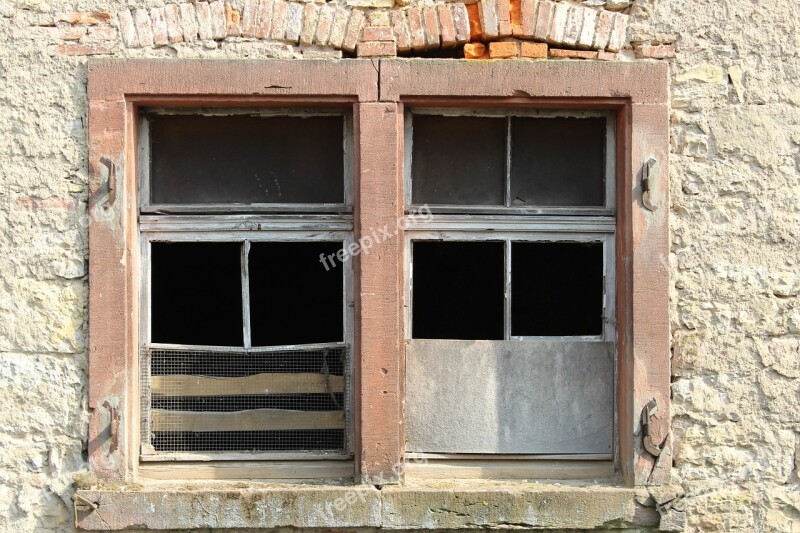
x=508 y=163
x=507 y=288
x=246 y=294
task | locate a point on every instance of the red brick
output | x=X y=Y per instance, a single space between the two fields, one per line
x=474 y=50
x=543 y=15
x=503 y=18
x=233 y=20
x=144 y=30
x=618 y=33
x=607 y=56
x=516 y=16
x=474 y=17
x=278 y=28
x=101 y=33
x=377 y=48
x=558 y=24
x=127 y=29
x=68 y=33
x=572 y=54
x=377 y=33
x=294 y=21
x=533 y=50
x=402 y=33
x=417 y=29
x=310 y=18
x=488 y=13
x=75 y=49
x=160 y=37
x=219 y=24
x=503 y=49
x=431 y=23
x=353 y=31
x=249 y=17
x=338 y=27
x=264 y=24
x=324 y=26
x=586 y=37
x=172 y=15
x=462 y=22
x=188 y=22
x=654 y=51
x=87 y=19
x=602 y=31
x=204 y=25
x=447 y=26
x=572 y=29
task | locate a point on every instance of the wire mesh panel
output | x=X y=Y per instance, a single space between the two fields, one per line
x=237 y=401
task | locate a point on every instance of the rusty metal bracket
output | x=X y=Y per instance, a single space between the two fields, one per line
x=652 y=448
x=648 y=178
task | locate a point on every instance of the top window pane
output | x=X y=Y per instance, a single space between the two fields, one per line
x=246 y=159
x=458 y=160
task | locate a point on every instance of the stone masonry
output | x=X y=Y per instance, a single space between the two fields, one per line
x=734 y=213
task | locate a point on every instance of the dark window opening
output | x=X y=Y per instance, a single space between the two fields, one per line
x=458 y=160
x=558 y=161
x=246 y=159
x=458 y=290
x=196 y=293
x=294 y=299
x=556 y=288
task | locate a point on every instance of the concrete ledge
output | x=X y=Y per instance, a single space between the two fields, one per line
x=442 y=505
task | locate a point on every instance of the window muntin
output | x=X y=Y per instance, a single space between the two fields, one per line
x=275 y=382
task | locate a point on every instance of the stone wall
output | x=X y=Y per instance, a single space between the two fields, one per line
x=735 y=220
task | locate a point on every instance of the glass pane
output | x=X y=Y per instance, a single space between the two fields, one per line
x=196 y=293
x=556 y=288
x=558 y=161
x=458 y=160
x=458 y=290
x=246 y=159
x=295 y=298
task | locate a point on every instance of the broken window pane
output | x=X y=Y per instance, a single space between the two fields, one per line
x=196 y=293
x=294 y=298
x=246 y=159
x=556 y=288
x=458 y=290
x=458 y=160
x=558 y=161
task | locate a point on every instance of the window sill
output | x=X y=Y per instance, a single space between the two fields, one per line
x=418 y=505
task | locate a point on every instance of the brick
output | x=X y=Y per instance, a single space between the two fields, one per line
x=488 y=13
x=607 y=56
x=402 y=33
x=278 y=29
x=353 y=31
x=76 y=49
x=533 y=50
x=586 y=37
x=86 y=19
x=431 y=23
x=474 y=50
x=310 y=18
x=654 y=51
x=339 y=27
x=461 y=21
x=503 y=18
x=526 y=25
x=128 y=29
x=172 y=15
x=264 y=24
x=378 y=18
x=447 y=27
x=503 y=49
x=618 y=33
x=323 y=34
x=219 y=24
x=371 y=4
x=572 y=54
x=188 y=22
x=204 y=26
x=294 y=21
x=249 y=18
x=474 y=18
x=572 y=29
x=544 y=13
x=144 y=29
x=516 y=16
x=377 y=33
x=377 y=49
x=559 y=24
x=417 y=28
x=233 y=20
x=160 y=37
x=602 y=30
x=101 y=33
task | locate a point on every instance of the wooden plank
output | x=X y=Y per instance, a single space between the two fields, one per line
x=509 y=397
x=272 y=383
x=422 y=457
x=248 y=470
x=250 y=420
x=512 y=469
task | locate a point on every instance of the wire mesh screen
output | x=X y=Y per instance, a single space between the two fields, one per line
x=227 y=401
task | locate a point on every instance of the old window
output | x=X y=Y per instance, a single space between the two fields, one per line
x=245 y=335
x=511 y=327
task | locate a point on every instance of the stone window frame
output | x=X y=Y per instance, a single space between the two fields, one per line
x=378 y=91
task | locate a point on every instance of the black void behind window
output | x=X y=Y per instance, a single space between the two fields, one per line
x=458 y=290
x=556 y=288
x=458 y=160
x=196 y=293
x=246 y=159
x=294 y=299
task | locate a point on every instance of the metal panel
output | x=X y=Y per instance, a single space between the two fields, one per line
x=510 y=397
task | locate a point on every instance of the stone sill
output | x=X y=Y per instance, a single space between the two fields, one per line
x=422 y=505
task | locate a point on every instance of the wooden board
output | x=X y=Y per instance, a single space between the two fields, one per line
x=509 y=397
x=273 y=383
x=248 y=470
x=250 y=420
x=509 y=469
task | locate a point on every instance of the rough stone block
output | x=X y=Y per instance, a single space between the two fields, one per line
x=377 y=49
x=474 y=50
x=160 y=37
x=219 y=25
x=533 y=50
x=618 y=33
x=144 y=29
x=447 y=26
x=278 y=29
x=572 y=29
x=339 y=27
x=474 y=18
x=264 y=25
x=461 y=21
x=310 y=18
x=417 y=28
x=602 y=31
x=544 y=14
x=503 y=49
x=204 y=25
x=353 y=31
x=127 y=28
x=586 y=38
x=402 y=33
x=324 y=26
x=558 y=24
x=431 y=24
x=489 y=22
x=249 y=18
x=558 y=53
x=172 y=14
x=294 y=22
x=188 y=22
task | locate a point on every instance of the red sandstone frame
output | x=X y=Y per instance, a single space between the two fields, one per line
x=378 y=92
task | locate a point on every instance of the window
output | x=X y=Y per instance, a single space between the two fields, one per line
x=511 y=337
x=245 y=338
